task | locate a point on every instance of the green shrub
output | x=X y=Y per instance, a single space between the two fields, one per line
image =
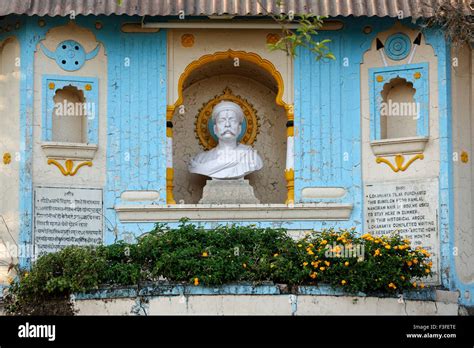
x=381 y=264
x=222 y=255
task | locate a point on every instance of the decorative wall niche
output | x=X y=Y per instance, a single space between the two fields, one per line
x=69 y=123
x=70 y=117
x=399 y=109
x=398 y=113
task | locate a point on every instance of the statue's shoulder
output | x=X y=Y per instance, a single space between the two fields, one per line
x=204 y=156
x=244 y=147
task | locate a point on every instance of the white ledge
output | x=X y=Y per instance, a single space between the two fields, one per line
x=391 y=147
x=73 y=151
x=234 y=212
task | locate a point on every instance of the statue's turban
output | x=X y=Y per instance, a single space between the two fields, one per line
x=227 y=105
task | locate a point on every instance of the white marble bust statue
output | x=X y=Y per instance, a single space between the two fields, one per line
x=229 y=159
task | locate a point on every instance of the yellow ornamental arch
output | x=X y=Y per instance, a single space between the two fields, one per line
x=225 y=55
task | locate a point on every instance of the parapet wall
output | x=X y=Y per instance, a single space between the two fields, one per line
x=260 y=300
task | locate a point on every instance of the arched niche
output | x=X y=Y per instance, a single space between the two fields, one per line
x=257 y=82
x=69 y=115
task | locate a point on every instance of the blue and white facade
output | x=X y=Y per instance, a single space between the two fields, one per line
x=326 y=139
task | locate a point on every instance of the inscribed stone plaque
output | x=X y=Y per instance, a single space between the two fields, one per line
x=67 y=216
x=407 y=207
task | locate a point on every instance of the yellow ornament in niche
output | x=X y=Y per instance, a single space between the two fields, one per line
x=417 y=75
x=88 y=87
x=51 y=85
x=464 y=157
x=379 y=78
x=204 y=132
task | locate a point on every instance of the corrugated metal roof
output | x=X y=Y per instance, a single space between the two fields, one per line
x=331 y=8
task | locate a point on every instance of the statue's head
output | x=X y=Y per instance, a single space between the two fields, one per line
x=228 y=118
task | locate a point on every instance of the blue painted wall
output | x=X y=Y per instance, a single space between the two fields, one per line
x=136 y=122
x=327 y=115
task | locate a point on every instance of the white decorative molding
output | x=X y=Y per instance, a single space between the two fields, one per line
x=234 y=212
x=73 y=151
x=136 y=196
x=403 y=146
x=322 y=192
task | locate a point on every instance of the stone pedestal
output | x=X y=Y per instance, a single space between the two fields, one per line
x=228 y=192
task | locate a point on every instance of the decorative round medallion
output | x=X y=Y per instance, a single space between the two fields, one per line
x=187 y=40
x=70 y=55
x=398 y=46
x=367 y=29
x=205 y=125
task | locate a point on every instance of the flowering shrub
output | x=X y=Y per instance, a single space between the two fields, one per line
x=365 y=263
x=223 y=255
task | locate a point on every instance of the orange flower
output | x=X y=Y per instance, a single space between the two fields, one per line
x=377 y=252
x=422 y=285
x=205 y=254
x=322 y=268
x=424 y=252
x=392 y=286
x=196 y=281
x=409 y=263
x=244 y=265
x=346 y=263
x=313 y=275
x=343 y=282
